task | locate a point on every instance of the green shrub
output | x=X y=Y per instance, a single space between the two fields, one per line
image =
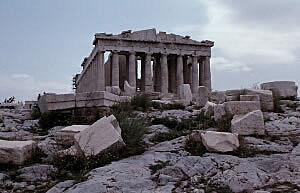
x=133 y=131
x=122 y=107
x=50 y=119
x=156 y=167
x=141 y=102
x=194 y=146
x=166 y=136
x=170 y=123
x=35 y=113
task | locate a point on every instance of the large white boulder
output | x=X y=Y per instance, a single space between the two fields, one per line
x=129 y=90
x=241 y=107
x=66 y=135
x=103 y=135
x=285 y=89
x=265 y=97
x=15 y=152
x=250 y=124
x=185 y=92
x=202 y=96
x=220 y=141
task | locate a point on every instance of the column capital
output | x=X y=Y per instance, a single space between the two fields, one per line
x=164 y=53
x=101 y=49
x=132 y=52
x=148 y=53
x=115 y=51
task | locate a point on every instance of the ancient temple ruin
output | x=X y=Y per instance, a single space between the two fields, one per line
x=147 y=60
x=163 y=65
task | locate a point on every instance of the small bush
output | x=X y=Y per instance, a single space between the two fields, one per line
x=51 y=119
x=133 y=131
x=141 y=102
x=122 y=107
x=166 y=136
x=170 y=123
x=156 y=167
x=173 y=106
x=194 y=146
x=35 y=113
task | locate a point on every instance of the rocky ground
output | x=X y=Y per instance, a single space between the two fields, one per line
x=262 y=163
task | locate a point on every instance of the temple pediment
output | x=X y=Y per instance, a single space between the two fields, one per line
x=150 y=35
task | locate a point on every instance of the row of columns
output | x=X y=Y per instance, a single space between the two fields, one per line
x=93 y=77
x=165 y=75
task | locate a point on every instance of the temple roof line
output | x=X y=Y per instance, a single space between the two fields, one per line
x=150 y=35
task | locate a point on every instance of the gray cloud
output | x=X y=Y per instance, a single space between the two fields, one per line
x=274 y=14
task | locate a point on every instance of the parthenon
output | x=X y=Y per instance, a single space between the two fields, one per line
x=147 y=60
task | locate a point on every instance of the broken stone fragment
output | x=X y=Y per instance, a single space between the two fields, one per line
x=185 y=92
x=250 y=124
x=202 y=96
x=285 y=89
x=265 y=97
x=129 y=90
x=241 y=107
x=15 y=152
x=219 y=112
x=66 y=135
x=103 y=135
x=220 y=141
x=217 y=97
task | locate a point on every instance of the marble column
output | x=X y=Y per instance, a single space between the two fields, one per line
x=195 y=74
x=100 y=75
x=142 y=85
x=201 y=71
x=164 y=73
x=179 y=72
x=207 y=73
x=132 y=69
x=148 y=75
x=115 y=70
x=157 y=70
x=172 y=74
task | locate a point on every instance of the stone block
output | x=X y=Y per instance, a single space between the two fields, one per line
x=53 y=98
x=101 y=136
x=285 y=89
x=232 y=98
x=202 y=96
x=265 y=97
x=129 y=90
x=249 y=98
x=66 y=135
x=185 y=92
x=241 y=107
x=234 y=92
x=250 y=124
x=115 y=90
x=219 y=112
x=217 y=97
x=220 y=141
x=15 y=152
x=208 y=109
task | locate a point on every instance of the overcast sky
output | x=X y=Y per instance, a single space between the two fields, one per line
x=42 y=43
